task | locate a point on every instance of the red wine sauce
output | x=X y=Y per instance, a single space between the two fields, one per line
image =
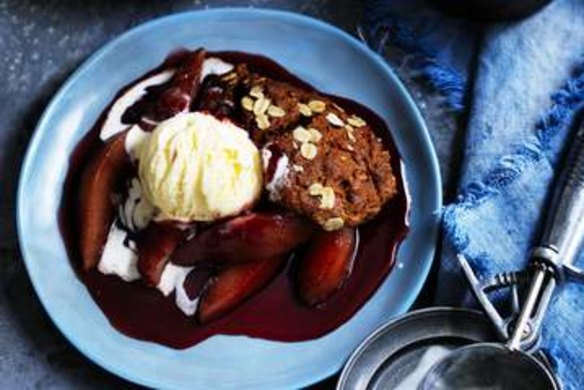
x=275 y=313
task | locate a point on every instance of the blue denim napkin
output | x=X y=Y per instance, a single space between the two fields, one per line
x=529 y=83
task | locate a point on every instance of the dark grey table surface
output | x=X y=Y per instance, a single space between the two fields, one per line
x=41 y=43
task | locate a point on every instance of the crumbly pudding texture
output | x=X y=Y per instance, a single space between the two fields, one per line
x=221 y=194
x=338 y=172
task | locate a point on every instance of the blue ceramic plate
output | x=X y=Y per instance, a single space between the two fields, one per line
x=324 y=56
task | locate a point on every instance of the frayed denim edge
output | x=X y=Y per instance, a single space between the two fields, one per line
x=564 y=104
x=442 y=78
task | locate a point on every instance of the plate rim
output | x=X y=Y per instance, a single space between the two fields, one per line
x=84 y=67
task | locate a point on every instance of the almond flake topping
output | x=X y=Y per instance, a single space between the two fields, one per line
x=304 y=109
x=229 y=76
x=247 y=103
x=333 y=224
x=257 y=92
x=334 y=119
x=315 y=135
x=350 y=132
x=315 y=189
x=356 y=121
x=335 y=105
x=276 y=112
x=301 y=135
x=262 y=122
x=261 y=106
x=326 y=195
x=327 y=199
x=308 y=151
x=317 y=106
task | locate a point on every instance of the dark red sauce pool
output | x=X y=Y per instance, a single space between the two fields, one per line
x=144 y=313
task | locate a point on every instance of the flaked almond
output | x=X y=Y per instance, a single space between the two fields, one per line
x=262 y=122
x=276 y=112
x=317 y=106
x=247 y=103
x=335 y=223
x=335 y=105
x=334 y=119
x=297 y=168
x=327 y=199
x=326 y=195
x=229 y=76
x=304 y=109
x=257 y=92
x=350 y=132
x=308 y=151
x=356 y=121
x=301 y=135
x=261 y=106
x=315 y=135
x=315 y=189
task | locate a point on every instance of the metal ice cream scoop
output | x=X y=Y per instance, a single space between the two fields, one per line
x=512 y=365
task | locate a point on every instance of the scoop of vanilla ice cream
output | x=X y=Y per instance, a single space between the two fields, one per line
x=195 y=167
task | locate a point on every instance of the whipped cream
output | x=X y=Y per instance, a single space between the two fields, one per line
x=215 y=66
x=280 y=175
x=119 y=255
x=136 y=212
x=113 y=122
x=120 y=258
x=173 y=279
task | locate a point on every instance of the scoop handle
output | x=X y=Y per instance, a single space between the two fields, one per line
x=563 y=234
x=559 y=246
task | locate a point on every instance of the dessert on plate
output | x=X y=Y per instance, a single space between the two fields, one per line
x=220 y=194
